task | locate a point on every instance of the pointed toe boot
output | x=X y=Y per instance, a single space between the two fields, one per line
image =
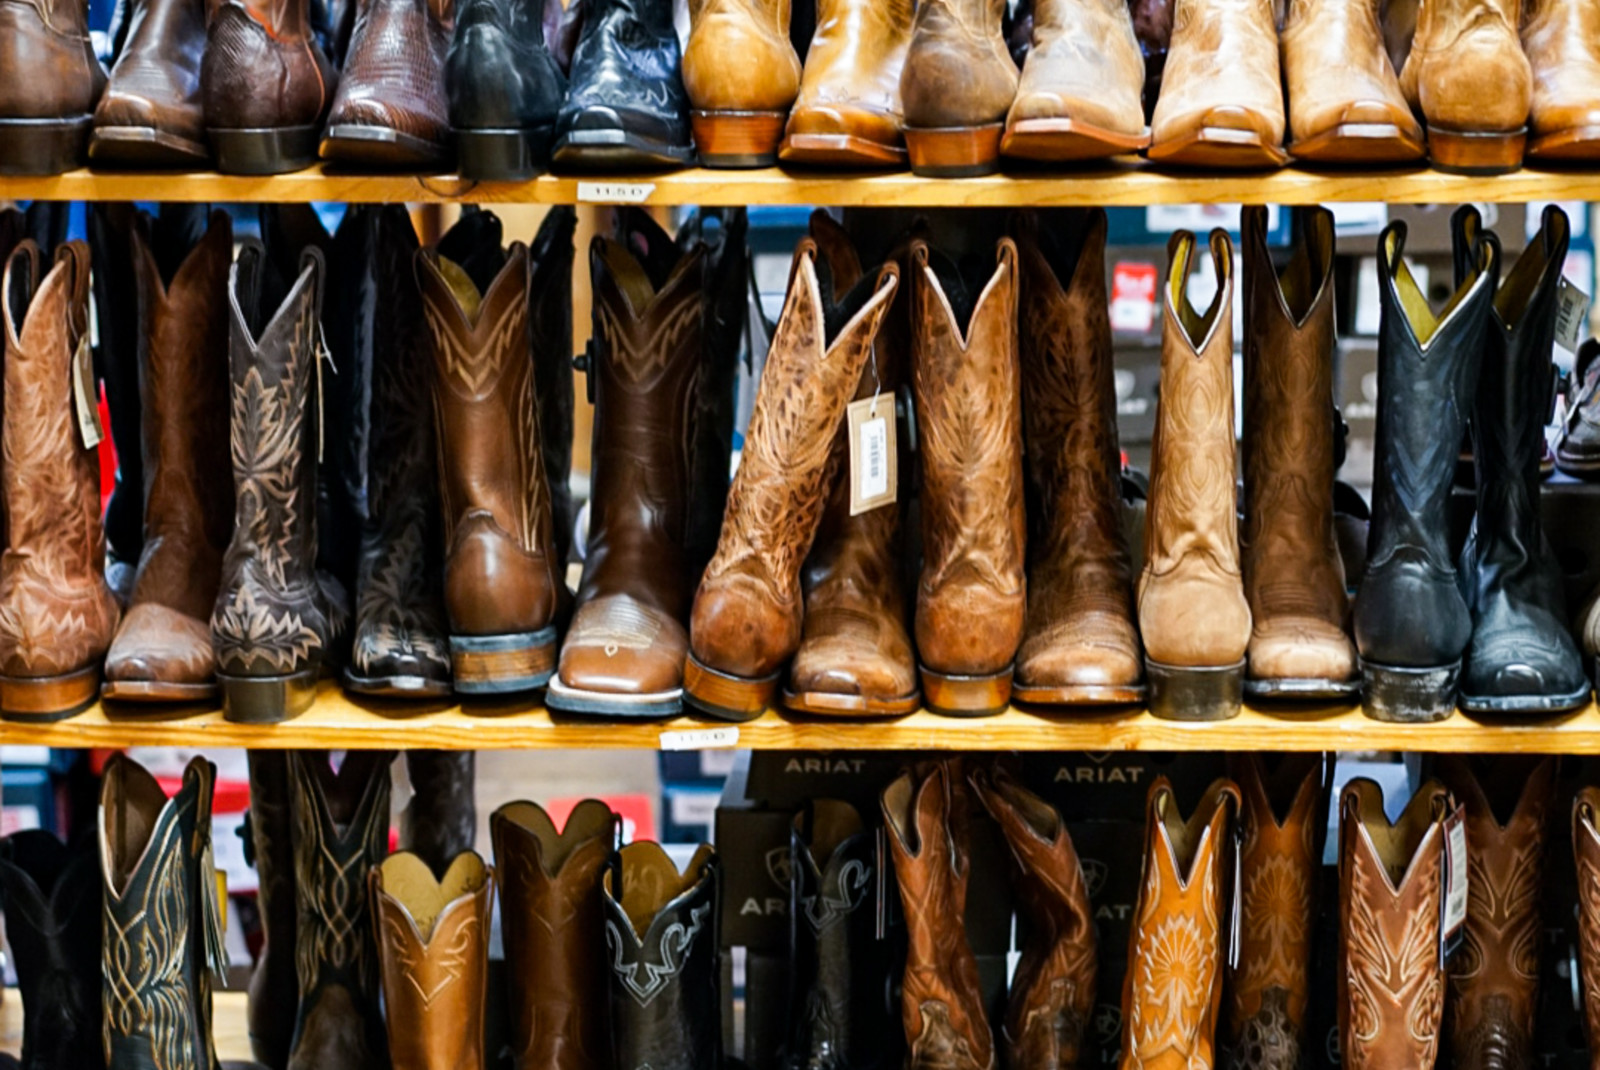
x=504 y=89
x=162 y=651
x=1345 y=104
x=1193 y=613
x=274 y=992
x=1391 y=981
x=1080 y=644
x=1172 y=995
x=958 y=84
x=1586 y=854
x=972 y=594
x=265 y=86
x=748 y=611
x=57 y=616
x=849 y=112
x=741 y=74
x=390 y=111
x=151 y=114
x=1469 y=79
x=1522 y=657
x=53 y=82
x=1562 y=42
x=551 y=921
x=1221 y=103
x=1293 y=575
x=1411 y=624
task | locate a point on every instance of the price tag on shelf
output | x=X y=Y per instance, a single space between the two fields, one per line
x=700 y=738
x=615 y=192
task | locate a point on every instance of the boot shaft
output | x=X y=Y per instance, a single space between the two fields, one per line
x=1586 y=854
x=551 y=327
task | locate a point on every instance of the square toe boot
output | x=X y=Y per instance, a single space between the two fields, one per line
x=265 y=86
x=57 y=616
x=433 y=958
x=741 y=73
x=1586 y=854
x=1391 y=982
x=1468 y=77
x=849 y=112
x=1345 y=104
x=1221 y=103
x=53 y=82
x=1193 y=613
x=551 y=920
x=391 y=111
x=1411 y=623
x=958 y=85
x=972 y=594
x=1080 y=644
x=748 y=611
x=151 y=115
x=1172 y=995
x=162 y=651
x=504 y=88
x=1562 y=42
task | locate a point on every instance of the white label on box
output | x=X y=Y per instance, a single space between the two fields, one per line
x=717 y=763
x=700 y=738
x=615 y=192
x=695 y=807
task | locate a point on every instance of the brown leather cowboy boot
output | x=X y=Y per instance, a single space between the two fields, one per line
x=53 y=81
x=57 y=615
x=946 y=1026
x=742 y=74
x=1293 y=575
x=1468 y=77
x=552 y=920
x=1586 y=853
x=163 y=650
x=1562 y=42
x=274 y=986
x=1391 y=889
x=1282 y=817
x=433 y=958
x=1494 y=976
x=958 y=84
x=390 y=110
x=1345 y=104
x=1221 y=103
x=972 y=595
x=1177 y=945
x=1192 y=609
x=746 y=621
x=1053 y=988
x=440 y=820
x=1079 y=644
x=502 y=583
x=265 y=86
x=151 y=115
x=849 y=112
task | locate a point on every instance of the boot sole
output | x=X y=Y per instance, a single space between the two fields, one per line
x=1219 y=147
x=1459 y=152
x=954 y=151
x=503 y=664
x=45 y=699
x=504 y=155
x=1585 y=470
x=1360 y=144
x=1195 y=693
x=1577 y=144
x=145 y=147
x=380 y=148
x=1067 y=141
x=264 y=151
x=1080 y=694
x=730 y=698
x=1514 y=704
x=738 y=139
x=840 y=150
x=832 y=704
x=648 y=706
x=1302 y=689
x=157 y=691
x=267 y=699
x=1400 y=695
x=401 y=686
x=951 y=695
x=619 y=150
x=44 y=146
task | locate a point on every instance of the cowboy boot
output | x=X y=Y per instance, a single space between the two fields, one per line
x=855 y=654
x=661 y=938
x=270 y=624
x=1586 y=853
x=163 y=922
x=57 y=615
x=1283 y=813
x=1221 y=102
x=551 y=921
x=162 y=651
x=53 y=81
x=551 y=327
x=505 y=89
x=1192 y=608
x=150 y=115
x=1522 y=657
x=1562 y=42
x=274 y=987
x=1053 y=989
x=433 y=958
x=941 y=1003
x=1178 y=943
x=391 y=110
x=748 y=611
x=1411 y=623
x=741 y=73
x=1578 y=449
x=1293 y=575
x=265 y=86
x=958 y=84
x=848 y=112
x=1468 y=78
x=972 y=593
x=341 y=830
x=1494 y=977
x=53 y=928
x=843 y=1017
x=1079 y=644
x=502 y=583
x=1391 y=888
x=440 y=821
x=1345 y=104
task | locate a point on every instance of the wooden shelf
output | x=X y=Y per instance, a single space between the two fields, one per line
x=1119 y=184
x=338 y=721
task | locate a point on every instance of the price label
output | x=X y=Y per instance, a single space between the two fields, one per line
x=615 y=192
x=873 y=464
x=1455 y=889
x=1572 y=315
x=700 y=738
x=85 y=397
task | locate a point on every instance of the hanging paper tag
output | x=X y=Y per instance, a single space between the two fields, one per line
x=1236 y=913
x=1572 y=315
x=323 y=354
x=1455 y=888
x=214 y=921
x=85 y=398
x=873 y=465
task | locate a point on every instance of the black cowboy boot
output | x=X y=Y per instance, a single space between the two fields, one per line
x=441 y=820
x=274 y=987
x=505 y=89
x=49 y=892
x=550 y=324
x=1522 y=658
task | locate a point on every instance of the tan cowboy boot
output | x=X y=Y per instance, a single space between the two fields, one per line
x=1561 y=39
x=1345 y=104
x=958 y=84
x=1468 y=77
x=1221 y=103
x=849 y=112
x=742 y=74
x=1586 y=853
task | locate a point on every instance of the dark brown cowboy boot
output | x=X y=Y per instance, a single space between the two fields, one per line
x=265 y=86
x=57 y=615
x=274 y=986
x=441 y=820
x=151 y=115
x=53 y=81
x=390 y=110
x=1586 y=853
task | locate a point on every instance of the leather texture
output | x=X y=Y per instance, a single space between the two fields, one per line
x=1494 y=976
x=1221 y=71
x=51 y=69
x=958 y=70
x=1192 y=607
x=942 y=1012
x=440 y=820
x=263 y=66
x=1466 y=70
x=1391 y=983
x=1084 y=65
x=1293 y=576
x=393 y=76
x=739 y=56
x=661 y=941
x=165 y=635
x=1080 y=628
x=56 y=613
x=1578 y=450
x=1337 y=70
x=1562 y=42
x=155 y=82
x=972 y=595
x=1172 y=994
x=1409 y=610
x=627 y=75
x=498 y=74
x=552 y=922
x=1586 y=854
x=851 y=82
x=274 y=994
x=433 y=958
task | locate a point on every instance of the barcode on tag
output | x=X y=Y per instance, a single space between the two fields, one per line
x=700 y=738
x=873 y=465
x=1455 y=893
x=615 y=192
x=85 y=398
x=1572 y=315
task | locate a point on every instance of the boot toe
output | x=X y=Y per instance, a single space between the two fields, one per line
x=738 y=629
x=619 y=646
x=836 y=665
x=161 y=645
x=1098 y=657
x=844 y=120
x=392 y=651
x=1300 y=649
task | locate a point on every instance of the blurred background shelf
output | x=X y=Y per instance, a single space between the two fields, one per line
x=228 y=1025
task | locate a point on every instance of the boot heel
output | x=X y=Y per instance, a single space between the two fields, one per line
x=503 y=155
x=965 y=696
x=732 y=698
x=1186 y=693
x=1461 y=153
x=42 y=699
x=267 y=699
x=503 y=664
x=264 y=151
x=1409 y=696
x=955 y=151
x=738 y=139
x=44 y=146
